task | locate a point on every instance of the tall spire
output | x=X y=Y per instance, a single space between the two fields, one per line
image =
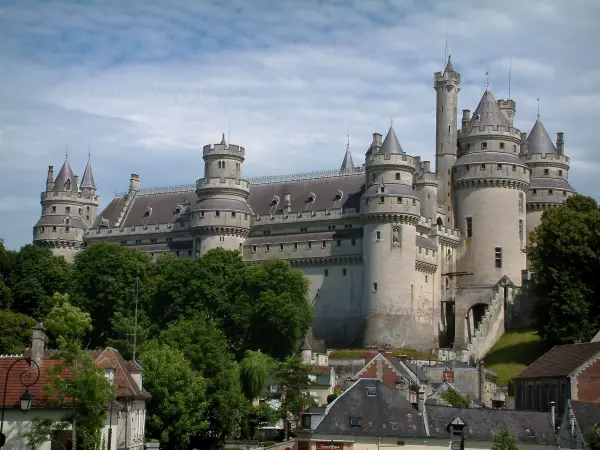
x=390 y=143
x=88 y=181
x=538 y=105
x=487 y=80
x=347 y=163
x=488 y=112
x=538 y=141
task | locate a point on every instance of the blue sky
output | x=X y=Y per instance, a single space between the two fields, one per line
x=147 y=84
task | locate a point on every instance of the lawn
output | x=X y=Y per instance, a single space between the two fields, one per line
x=360 y=353
x=513 y=352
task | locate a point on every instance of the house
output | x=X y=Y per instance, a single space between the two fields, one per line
x=369 y=415
x=566 y=372
x=577 y=420
x=126 y=414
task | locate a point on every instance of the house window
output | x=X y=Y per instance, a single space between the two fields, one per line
x=397 y=176
x=153 y=241
x=514 y=147
x=514 y=168
x=501 y=145
x=564 y=193
x=201 y=213
x=339 y=243
x=498 y=257
x=280 y=247
x=378 y=235
x=67 y=209
x=41 y=229
x=326 y=272
x=123 y=242
x=53 y=228
x=87 y=217
x=415 y=201
x=426 y=279
x=67 y=229
x=467 y=166
x=520 y=202
x=468 y=146
x=375 y=287
x=54 y=209
x=469 y=227
x=254 y=249
x=381 y=199
x=484 y=145
x=303 y=230
x=344 y=272
x=535 y=192
x=295 y=246
x=233 y=215
x=354 y=422
x=189 y=253
x=546 y=171
x=354 y=240
x=550 y=192
x=79 y=211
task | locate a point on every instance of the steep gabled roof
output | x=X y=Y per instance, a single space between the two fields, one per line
x=390 y=145
x=65 y=174
x=587 y=415
x=561 y=360
x=449 y=66
x=488 y=112
x=88 y=177
x=347 y=163
x=538 y=140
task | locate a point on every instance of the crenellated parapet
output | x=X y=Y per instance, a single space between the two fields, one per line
x=222 y=149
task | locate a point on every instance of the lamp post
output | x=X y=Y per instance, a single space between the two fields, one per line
x=26 y=398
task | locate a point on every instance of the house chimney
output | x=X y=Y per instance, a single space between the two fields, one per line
x=553 y=414
x=387 y=352
x=466 y=118
x=560 y=143
x=523 y=143
x=50 y=179
x=376 y=140
x=371 y=352
x=481 y=380
x=38 y=346
x=134 y=183
x=76 y=182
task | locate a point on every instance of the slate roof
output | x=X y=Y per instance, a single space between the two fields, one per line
x=390 y=145
x=427 y=243
x=391 y=189
x=561 y=360
x=303 y=237
x=483 y=423
x=587 y=415
x=385 y=414
x=76 y=222
x=490 y=157
x=449 y=66
x=65 y=173
x=347 y=163
x=88 y=177
x=538 y=140
x=488 y=112
x=547 y=182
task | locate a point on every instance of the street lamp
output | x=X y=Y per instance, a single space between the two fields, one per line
x=331 y=445
x=27 y=380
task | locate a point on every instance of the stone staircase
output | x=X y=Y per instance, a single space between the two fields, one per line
x=489 y=329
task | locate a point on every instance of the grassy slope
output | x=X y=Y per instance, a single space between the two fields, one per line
x=360 y=353
x=514 y=351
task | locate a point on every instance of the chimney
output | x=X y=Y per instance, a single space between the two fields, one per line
x=481 y=380
x=50 y=179
x=448 y=375
x=560 y=143
x=523 y=143
x=38 y=346
x=134 y=183
x=553 y=414
x=387 y=352
x=376 y=140
x=76 y=182
x=370 y=352
x=426 y=166
x=421 y=399
x=466 y=118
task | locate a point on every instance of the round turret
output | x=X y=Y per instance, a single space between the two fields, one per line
x=490 y=182
x=390 y=208
x=221 y=217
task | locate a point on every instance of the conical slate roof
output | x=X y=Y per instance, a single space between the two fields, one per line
x=347 y=163
x=305 y=344
x=88 y=177
x=65 y=178
x=390 y=144
x=449 y=67
x=538 y=140
x=488 y=112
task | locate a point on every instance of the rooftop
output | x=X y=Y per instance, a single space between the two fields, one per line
x=561 y=360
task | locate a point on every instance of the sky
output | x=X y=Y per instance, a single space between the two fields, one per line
x=144 y=85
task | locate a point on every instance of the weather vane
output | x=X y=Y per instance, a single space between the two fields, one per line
x=538 y=105
x=487 y=80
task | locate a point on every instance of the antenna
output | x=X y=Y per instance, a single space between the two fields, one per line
x=228 y=132
x=89 y=151
x=137 y=287
x=487 y=80
x=509 y=71
x=66 y=152
x=446 y=47
x=391 y=122
x=348 y=140
x=538 y=104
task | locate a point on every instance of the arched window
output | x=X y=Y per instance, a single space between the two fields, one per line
x=68 y=184
x=439 y=221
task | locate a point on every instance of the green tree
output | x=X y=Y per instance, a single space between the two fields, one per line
x=34 y=278
x=293 y=379
x=177 y=410
x=455 y=399
x=123 y=329
x=503 y=440
x=592 y=438
x=204 y=345
x=255 y=369
x=16 y=332
x=257 y=416
x=104 y=283
x=73 y=382
x=565 y=257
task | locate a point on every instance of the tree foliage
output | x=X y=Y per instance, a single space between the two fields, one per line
x=16 y=332
x=592 y=437
x=565 y=257
x=67 y=322
x=503 y=440
x=455 y=399
x=255 y=369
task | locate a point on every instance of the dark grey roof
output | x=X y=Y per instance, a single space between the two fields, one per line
x=481 y=424
x=489 y=157
x=166 y=247
x=111 y=212
x=587 y=415
x=390 y=144
x=422 y=242
x=387 y=413
x=538 y=140
x=391 y=189
x=88 y=177
x=75 y=222
x=488 y=112
x=560 y=361
x=223 y=204
x=65 y=173
x=449 y=66
x=547 y=182
x=305 y=344
x=163 y=208
x=347 y=163
x=303 y=237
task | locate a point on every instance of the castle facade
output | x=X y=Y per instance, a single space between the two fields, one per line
x=396 y=253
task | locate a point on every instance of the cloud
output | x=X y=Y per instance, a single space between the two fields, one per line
x=147 y=84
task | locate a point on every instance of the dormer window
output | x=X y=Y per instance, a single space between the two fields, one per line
x=68 y=184
x=354 y=421
x=311 y=197
x=338 y=195
x=275 y=201
x=148 y=211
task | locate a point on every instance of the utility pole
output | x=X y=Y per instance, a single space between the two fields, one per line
x=137 y=288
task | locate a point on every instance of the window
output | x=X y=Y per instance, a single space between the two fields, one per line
x=498 y=257
x=414 y=202
x=514 y=168
x=67 y=229
x=201 y=213
x=280 y=247
x=354 y=240
x=564 y=193
x=483 y=167
x=484 y=145
x=339 y=243
x=123 y=242
x=268 y=248
x=303 y=230
x=344 y=272
x=550 y=192
x=560 y=173
x=354 y=422
x=189 y=253
x=54 y=209
x=310 y=245
x=326 y=272
x=514 y=147
x=169 y=239
x=41 y=229
x=67 y=209
x=331 y=227
x=448 y=128
x=535 y=192
x=499 y=167
x=520 y=202
x=378 y=235
x=397 y=176
x=138 y=241
x=521 y=229
x=53 y=228
x=217 y=213
x=233 y=215
x=469 y=227
x=468 y=146
x=374 y=287
x=399 y=200
x=79 y=211
x=546 y=171
x=87 y=217
x=381 y=199
x=153 y=241
x=295 y=246
x=254 y=249
x=467 y=167
x=324 y=244
x=501 y=145
x=373 y=177
x=426 y=279
x=177 y=253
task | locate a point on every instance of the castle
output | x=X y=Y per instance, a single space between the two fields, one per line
x=396 y=253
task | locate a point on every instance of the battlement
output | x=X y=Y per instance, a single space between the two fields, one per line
x=221 y=183
x=68 y=196
x=547 y=158
x=497 y=130
x=303 y=216
x=379 y=159
x=135 y=230
x=440 y=78
x=235 y=151
x=426 y=178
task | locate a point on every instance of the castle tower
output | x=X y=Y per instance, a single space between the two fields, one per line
x=221 y=217
x=390 y=210
x=447 y=87
x=89 y=199
x=549 y=173
x=490 y=182
x=61 y=226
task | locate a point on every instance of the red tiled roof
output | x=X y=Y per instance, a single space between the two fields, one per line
x=322 y=369
x=561 y=360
